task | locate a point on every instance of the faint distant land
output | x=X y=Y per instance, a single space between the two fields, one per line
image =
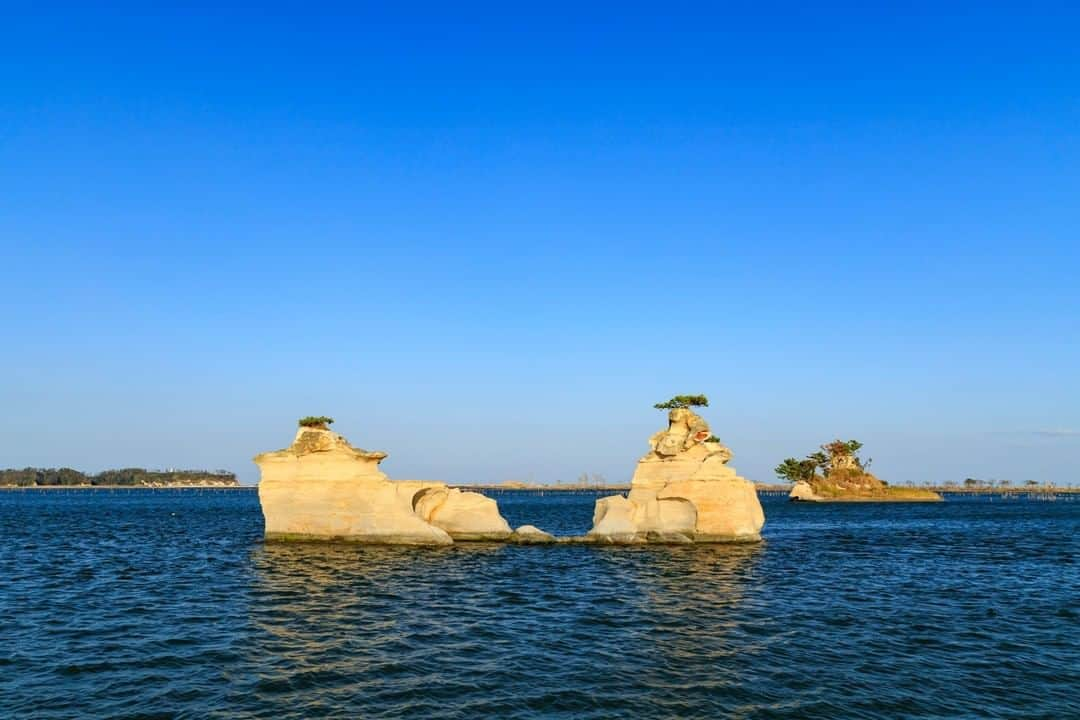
x=975 y=486
x=836 y=473
x=585 y=481
x=126 y=477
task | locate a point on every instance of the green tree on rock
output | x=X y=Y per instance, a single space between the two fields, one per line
x=316 y=421
x=683 y=401
x=821 y=461
x=795 y=471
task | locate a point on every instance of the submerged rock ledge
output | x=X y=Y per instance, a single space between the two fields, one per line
x=515 y=539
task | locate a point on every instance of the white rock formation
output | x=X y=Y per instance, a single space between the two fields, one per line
x=321 y=487
x=682 y=491
x=803 y=491
x=464 y=515
x=532 y=535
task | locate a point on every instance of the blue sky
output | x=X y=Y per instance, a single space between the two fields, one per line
x=487 y=240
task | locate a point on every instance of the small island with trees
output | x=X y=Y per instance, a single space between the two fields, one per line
x=125 y=477
x=837 y=473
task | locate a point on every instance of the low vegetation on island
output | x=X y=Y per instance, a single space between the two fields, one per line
x=125 y=477
x=836 y=472
x=316 y=421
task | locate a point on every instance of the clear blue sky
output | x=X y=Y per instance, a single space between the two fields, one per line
x=487 y=239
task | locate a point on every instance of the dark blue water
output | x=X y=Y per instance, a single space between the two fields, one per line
x=167 y=604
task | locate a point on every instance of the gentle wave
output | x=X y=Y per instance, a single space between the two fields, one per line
x=168 y=604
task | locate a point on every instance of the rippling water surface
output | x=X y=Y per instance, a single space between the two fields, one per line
x=168 y=604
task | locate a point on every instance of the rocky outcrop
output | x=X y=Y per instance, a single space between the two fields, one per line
x=463 y=515
x=321 y=487
x=682 y=491
x=532 y=535
x=804 y=492
x=837 y=474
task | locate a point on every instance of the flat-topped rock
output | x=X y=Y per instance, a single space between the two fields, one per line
x=321 y=487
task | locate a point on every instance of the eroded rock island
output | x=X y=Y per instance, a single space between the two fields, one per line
x=321 y=487
x=683 y=490
x=836 y=473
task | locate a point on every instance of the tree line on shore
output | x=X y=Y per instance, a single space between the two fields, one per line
x=124 y=477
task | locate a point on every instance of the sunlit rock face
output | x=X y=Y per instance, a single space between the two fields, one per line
x=803 y=491
x=463 y=515
x=321 y=487
x=682 y=491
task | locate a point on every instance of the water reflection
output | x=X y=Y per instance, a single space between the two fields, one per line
x=350 y=621
x=322 y=595
x=315 y=567
x=696 y=612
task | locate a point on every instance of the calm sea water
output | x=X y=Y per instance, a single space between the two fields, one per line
x=167 y=604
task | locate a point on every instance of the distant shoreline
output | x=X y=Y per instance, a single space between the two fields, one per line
x=775 y=488
x=772 y=489
x=128 y=487
x=36 y=477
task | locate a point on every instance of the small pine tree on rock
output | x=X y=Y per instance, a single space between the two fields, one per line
x=683 y=401
x=320 y=422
